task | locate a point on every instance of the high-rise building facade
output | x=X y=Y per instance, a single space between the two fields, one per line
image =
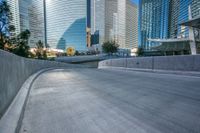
x=14 y=8
x=162 y=19
x=122 y=8
x=104 y=19
x=153 y=17
x=196 y=14
x=127 y=30
x=116 y=20
x=36 y=22
x=131 y=26
x=178 y=13
x=28 y=14
x=111 y=20
x=195 y=8
x=24 y=14
x=98 y=19
x=66 y=23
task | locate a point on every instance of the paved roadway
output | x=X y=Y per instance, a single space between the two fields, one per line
x=109 y=101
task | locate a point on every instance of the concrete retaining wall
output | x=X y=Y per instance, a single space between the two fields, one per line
x=171 y=63
x=14 y=71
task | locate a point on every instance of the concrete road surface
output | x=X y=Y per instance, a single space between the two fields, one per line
x=109 y=101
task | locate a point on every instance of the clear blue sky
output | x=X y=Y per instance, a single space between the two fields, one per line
x=135 y=1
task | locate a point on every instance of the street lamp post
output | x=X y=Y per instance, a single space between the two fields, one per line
x=45 y=24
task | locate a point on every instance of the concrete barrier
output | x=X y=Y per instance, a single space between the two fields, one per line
x=169 y=63
x=140 y=63
x=14 y=71
x=176 y=63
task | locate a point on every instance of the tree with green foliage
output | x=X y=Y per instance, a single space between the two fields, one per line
x=140 y=51
x=5 y=27
x=110 y=47
x=22 y=48
x=40 y=52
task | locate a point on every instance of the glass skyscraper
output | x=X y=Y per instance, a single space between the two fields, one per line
x=98 y=20
x=161 y=19
x=195 y=8
x=28 y=14
x=115 y=20
x=153 y=21
x=104 y=19
x=178 y=13
x=127 y=25
x=36 y=21
x=24 y=14
x=14 y=8
x=66 y=23
x=196 y=14
x=131 y=25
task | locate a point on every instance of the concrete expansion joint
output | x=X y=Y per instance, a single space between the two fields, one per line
x=12 y=119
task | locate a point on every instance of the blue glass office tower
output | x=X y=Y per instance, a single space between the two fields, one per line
x=178 y=13
x=161 y=19
x=153 y=21
x=66 y=23
x=195 y=8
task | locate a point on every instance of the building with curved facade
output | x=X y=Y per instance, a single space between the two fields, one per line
x=66 y=24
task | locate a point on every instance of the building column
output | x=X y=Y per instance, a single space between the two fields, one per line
x=191 y=35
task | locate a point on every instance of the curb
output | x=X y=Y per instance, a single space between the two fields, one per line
x=12 y=119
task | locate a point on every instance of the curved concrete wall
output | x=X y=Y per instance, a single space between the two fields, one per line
x=14 y=71
x=172 y=63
